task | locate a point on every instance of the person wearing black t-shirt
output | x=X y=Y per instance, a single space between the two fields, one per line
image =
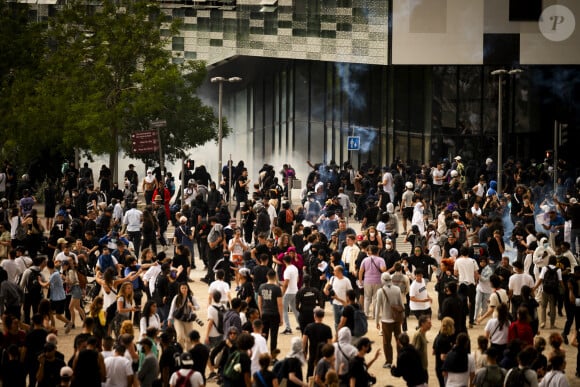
x=181 y=259
x=34 y=345
x=307 y=299
x=347 y=317
x=199 y=352
x=270 y=305
x=314 y=336
x=260 y=272
x=359 y=375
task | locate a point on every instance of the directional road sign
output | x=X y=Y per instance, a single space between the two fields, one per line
x=353 y=143
x=146 y=141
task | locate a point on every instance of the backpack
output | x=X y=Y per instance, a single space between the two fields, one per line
x=551 y=284
x=229 y=369
x=517 y=378
x=33 y=286
x=494 y=378
x=105 y=262
x=184 y=380
x=20 y=232
x=361 y=325
x=289 y=216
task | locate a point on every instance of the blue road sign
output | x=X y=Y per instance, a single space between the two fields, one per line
x=353 y=143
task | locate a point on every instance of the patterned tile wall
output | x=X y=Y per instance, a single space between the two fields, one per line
x=352 y=31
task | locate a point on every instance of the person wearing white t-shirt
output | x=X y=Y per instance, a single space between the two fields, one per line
x=221 y=286
x=289 y=290
x=548 y=298
x=260 y=345
x=336 y=289
x=388 y=183
x=119 y=370
x=420 y=301
x=516 y=281
x=467 y=272
x=186 y=370
x=497 y=328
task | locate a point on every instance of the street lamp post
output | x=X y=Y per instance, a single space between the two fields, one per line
x=220 y=81
x=500 y=73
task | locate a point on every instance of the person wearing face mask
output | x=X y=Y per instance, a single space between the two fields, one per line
x=390 y=255
x=541 y=255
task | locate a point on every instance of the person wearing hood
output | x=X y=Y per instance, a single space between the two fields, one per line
x=492 y=190
x=541 y=256
x=293 y=364
x=392 y=224
x=387 y=297
x=216 y=242
x=345 y=352
x=418 y=219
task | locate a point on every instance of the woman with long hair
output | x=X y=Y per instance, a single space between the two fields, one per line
x=149 y=318
x=530 y=303
x=150 y=229
x=521 y=328
x=147 y=255
x=124 y=306
x=47 y=315
x=373 y=236
x=35 y=231
x=497 y=329
x=181 y=311
x=442 y=345
x=97 y=313
x=72 y=281
x=110 y=285
x=459 y=365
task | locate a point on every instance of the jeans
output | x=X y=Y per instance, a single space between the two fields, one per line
x=370 y=291
x=481 y=300
x=289 y=300
x=337 y=309
x=388 y=330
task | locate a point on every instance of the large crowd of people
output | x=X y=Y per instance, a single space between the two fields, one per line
x=376 y=244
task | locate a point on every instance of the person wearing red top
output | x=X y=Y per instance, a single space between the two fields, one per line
x=521 y=328
x=165 y=196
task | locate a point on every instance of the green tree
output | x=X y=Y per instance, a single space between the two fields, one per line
x=106 y=72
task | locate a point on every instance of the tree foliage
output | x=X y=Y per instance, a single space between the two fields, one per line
x=101 y=74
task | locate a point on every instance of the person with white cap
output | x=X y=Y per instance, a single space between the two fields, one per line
x=407 y=204
x=389 y=296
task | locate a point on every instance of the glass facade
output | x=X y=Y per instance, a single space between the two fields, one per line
x=305 y=110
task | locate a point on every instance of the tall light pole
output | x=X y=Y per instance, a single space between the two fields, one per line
x=500 y=73
x=220 y=81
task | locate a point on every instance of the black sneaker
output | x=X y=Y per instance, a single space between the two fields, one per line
x=565 y=339
x=287 y=331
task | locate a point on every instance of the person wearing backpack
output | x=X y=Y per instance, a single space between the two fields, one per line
x=348 y=316
x=31 y=281
x=523 y=375
x=491 y=375
x=237 y=370
x=215 y=317
x=186 y=376
x=551 y=281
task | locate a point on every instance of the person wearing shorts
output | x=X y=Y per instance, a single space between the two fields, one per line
x=57 y=295
x=237 y=246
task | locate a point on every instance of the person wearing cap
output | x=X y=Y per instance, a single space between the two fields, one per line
x=407 y=204
x=186 y=371
x=358 y=367
x=387 y=297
